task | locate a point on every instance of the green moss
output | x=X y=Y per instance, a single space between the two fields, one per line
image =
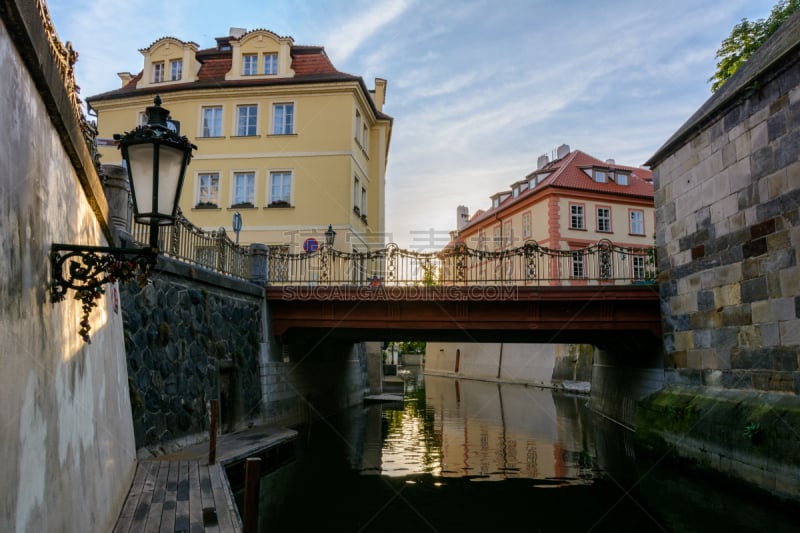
x=762 y=424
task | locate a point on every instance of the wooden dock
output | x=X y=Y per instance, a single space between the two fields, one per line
x=182 y=493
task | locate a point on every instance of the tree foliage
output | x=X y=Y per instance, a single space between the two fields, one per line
x=745 y=38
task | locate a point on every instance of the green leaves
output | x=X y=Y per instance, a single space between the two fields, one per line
x=745 y=38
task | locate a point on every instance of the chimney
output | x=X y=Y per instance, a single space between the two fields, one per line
x=542 y=161
x=462 y=216
x=237 y=32
x=610 y=161
x=125 y=77
x=562 y=150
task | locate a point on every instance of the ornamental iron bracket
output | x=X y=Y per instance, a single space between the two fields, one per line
x=85 y=269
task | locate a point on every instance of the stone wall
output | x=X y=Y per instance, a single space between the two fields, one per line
x=727 y=209
x=67 y=437
x=191 y=336
x=728 y=235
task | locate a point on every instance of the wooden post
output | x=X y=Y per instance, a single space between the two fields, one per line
x=252 y=484
x=212 y=437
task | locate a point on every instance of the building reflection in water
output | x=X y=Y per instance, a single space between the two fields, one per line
x=481 y=430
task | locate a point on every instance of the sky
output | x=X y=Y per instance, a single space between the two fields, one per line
x=478 y=89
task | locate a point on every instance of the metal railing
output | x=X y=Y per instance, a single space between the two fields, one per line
x=209 y=249
x=530 y=264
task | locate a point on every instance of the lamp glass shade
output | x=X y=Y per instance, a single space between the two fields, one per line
x=156 y=197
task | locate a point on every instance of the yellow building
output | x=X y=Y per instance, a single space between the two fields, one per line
x=283 y=138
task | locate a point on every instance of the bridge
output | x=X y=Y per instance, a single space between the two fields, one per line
x=603 y=294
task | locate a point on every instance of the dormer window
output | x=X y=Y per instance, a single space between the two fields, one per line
x=270 y=64
x=600 y=176
x=158 y=72
x=175 y=69
x=496 y=201
x=515 y=192
x=622 y=179
x=250 y=64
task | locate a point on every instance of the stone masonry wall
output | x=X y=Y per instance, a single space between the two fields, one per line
x=190 y=341
x=729 y=239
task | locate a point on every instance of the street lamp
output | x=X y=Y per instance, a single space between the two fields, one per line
x=330 y=236
x=156 y=158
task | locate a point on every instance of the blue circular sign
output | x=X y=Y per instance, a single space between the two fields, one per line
x=311 y=245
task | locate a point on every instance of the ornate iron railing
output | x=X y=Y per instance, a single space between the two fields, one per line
x=209 y=249
x=530 y=264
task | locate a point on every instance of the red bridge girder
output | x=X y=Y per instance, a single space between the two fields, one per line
x=601 y=315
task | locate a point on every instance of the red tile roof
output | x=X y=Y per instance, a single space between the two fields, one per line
x=310 y=64
x=568 y=173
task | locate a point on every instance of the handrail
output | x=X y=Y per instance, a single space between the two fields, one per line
x=190 y=244
x=529 y=264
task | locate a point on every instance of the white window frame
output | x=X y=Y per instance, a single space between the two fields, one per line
x=281 y=125
x=363 y=201
x=578 y=265
x=622 y=179
x=638 y=266
x=175 y=69
x=285 y=190
x=356 y=190
x=214 y=128
x=270 y=63
x=577 y=216
x=249 y=64
x=604 y=218
x=364 y=136
x=249 y=114
x=209 y=181
x=249 y=188
x=636 y=222
x=600 y=175
x=526 y=226
x=158 y=72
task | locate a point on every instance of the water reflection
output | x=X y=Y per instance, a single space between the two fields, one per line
x=462 y=455
x=483 y=431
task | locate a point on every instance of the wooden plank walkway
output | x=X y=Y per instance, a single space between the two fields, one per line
x=182 y=493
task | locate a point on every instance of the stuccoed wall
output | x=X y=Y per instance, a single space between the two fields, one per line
x=67 y=437
x=191 y=336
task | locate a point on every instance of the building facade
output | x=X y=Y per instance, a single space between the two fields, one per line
x=283 y=138
x=568 y=203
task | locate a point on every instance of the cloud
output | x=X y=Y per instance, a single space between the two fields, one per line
x=346 y=39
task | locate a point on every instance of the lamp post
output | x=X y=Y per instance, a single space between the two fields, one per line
x=156 y=158
x=330 y=236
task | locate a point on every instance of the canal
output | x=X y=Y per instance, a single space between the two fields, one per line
x=465 y=455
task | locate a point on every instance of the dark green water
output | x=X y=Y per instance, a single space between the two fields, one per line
x=467 y=456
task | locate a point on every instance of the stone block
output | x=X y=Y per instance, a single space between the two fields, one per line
x=790 y=281
x=694 y=359
x=754 y=247
x=783 y=309
x=684 y=340
x=762 y=162
x=759 y=136
x=706 y=320
x=750 y=358
x=729 y=157
x=737 y=379
x=776 y=126
x=770 y=334
x=790 y=332
x=705 y=300
x=783 y=359
x=738 y=315
x=793 y=176
x=754 y=289
x=774 y=284
x=773 y=381
x=728 y=295
x=761 y=312
x=702 y=338
x=788 y=150
x=749 y=337
x=779 y=240
x=724 y=338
